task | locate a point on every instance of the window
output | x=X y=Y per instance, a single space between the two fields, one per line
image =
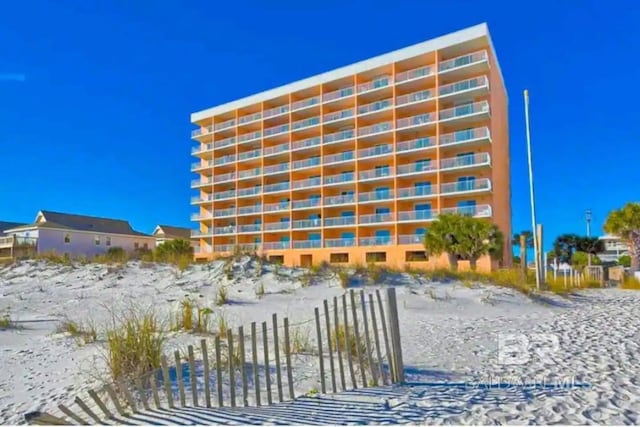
x=423 y=188
x=467 y=207
x=423 y=165
x=382 y=193
x=382 y=170
x=465 y=159
x=107 y=241
x=466 y=183
x=67 y=238
x=97 y=240
x=415 y=256
x=314 y=236
x=339 y=258
x=145 y=246
x=276 y=259
x=136 y=245
x=376 y=257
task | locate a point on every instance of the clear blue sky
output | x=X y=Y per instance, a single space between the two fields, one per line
x=95 y=96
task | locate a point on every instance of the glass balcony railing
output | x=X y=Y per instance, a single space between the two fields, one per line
x=339 y=178
x=376 y=173
x=338 y=115
x=305 y=123
x=274 y=188
x=276 y=207
x=462 y=61
x=276 y=130
x=416 y=168
x=465 y=186
x=201 y=199
x=480 y=211
x=338 y=94
x=224 y=177
x=371 y=196
x=201 y=217
x=217 y=213
x=249 y=228
x=465 y=110
x=463 y=85
x=375 y=106
x=421 y=119
x=198 y=233
x=307 y=163
x=411 y=98
x=199 y=182
x=308 y=203
x=416 y=73
x=340 y=221
x=276 y=245
x=224 y=195
x=246 y=137
x=307 y=223
x=374 y=129
x=422 y=215
x=283 y=225
x=465 y=161
x=339 y=243
x=415 y=144
x=377 y=83
x=340 y=200
x=411 y=239
x=202 y=148
x=225 y=125
x=282 y=167
x=224 y=142
x=419 y=191
x=306 y=143
x=224 y=160
x=205 y=130
x=376 y=218
x=462 y=136
x=307 y=244
x=281 y=148
x=228 y=229
x=249 y=173
x=305 y=103
x=202 y=165
x=223 y=248
x=276 y=111
x=246 y=155
x=248 y=210
x=251 y=191
x=337 y=158
x=250 y=118
x=339 y=136
x=376 y=241
x=378 y=150
x=306 y=183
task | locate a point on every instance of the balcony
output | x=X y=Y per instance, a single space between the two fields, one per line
x=464 y=86
x=224 y=177
x=414 y=192
x=222 y=195
x=275 y=226
x=275 y=188
x=464 y=111
x=338 y=94
x=308 y=203
x=224 y=160
x=377 y=173
x=224 y=142
x=248 y=210
x=376 y=218
x=200 y=182
x=338 y=158
x=248 y=137
x=466 y=161
x=246 y=155
x=274 y=169
x=415 y=144
x=411 y=239
x=305 y=123
x=201 y=165
x=198 y=233
x=276 y=207
x=339 y=136
x=274 y=246
x=202 y=251
x=374 y=196
x=469 y=186
x=348 y=199
x=411 y=216
x=199 y=199
x=249 y=173
x=378 y=150
x=276 y=111
x=251 y=191
x=414 y=98
x=307 y=183
x=375 y=129
x=201 y=217
x=340 y=178
x=464 y=61
x=225 y=125
x=306 y=223
x=307 y=163
x=340 y=221
x=376 y=241
x=249 y=118
x=205 y=130
x=415 y=121
x=375 y=84
x=479 y=211
x=307 y=244
x=415 y=74
x=375 y=106
x=339 y=243
x=337 y=116
x=306 y=143
x=226 y=230
x=201 y=148
x=249 y=228
x=272 y=151
x=465 y=136
x=276 y=130
x=305 y=103
x=220 y=213
x=418 y=167
x=223 y=248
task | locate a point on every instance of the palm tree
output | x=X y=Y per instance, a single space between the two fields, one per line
x=523 y=239
x=625 y=223
x=591 y=246
x=463 y=237
x=564 y=246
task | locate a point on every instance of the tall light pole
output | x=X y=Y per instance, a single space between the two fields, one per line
x=536 y=248
x=588 y=218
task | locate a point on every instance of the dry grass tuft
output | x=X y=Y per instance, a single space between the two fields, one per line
x=85 y=334
x=631 y=283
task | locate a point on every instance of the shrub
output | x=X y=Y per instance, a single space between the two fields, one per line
x=374 y=273
x=192 y=318
x=6 y=322
x=631 y=282
x=178 y=252
x=54 y=258
x=134 y=344
x=344 y=278
x=222 y=296
x=112 y=255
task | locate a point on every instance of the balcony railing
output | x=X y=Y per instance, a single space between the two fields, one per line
x=308 y=203
x=462 y=61
x=377 y=83
x=465 y=161
x=375 y=106
x=201 y=165
x=201 y=217
x=338 y=115
x=462 y=136
x=307 y=163
x=411 y=239
x=198 y=233
x=251 y=191
x=274 y=188
x=416 y=144
x=339 y=243
x=465 y=110
x=339 y=178
x=224 y=160
x=282 y=167
x=463 y=85
x=225 y=125
x=416 y=168
x=418 y=191
x=480 y=211
x=337 y=158
x=228 y=229
x=281 y=148
x=376 y=173
x=225 y=142
x=276 y=245
x=202 y=148
x=217 y=213
x=338 y=94
x=374 y=129
x=223 y=248
x=371 y=196
x=224 y=195
x=416 y=73
x=307 y=244
x=306 y=143
x=201 y=199
x=340 y=221
x=305 y=103
x=306 y=183
x=276 y=130
x=411 y=98
x=247 y=210
x=339 y=136
x=276 y=111
x=420 y=119
x=250 y=118
x=465 y=186
x=224 y=177
x=376 y=241
x=378 y=150
x=283 y=225
x=305 y=123
x=199 y=182
x=205 y=130
x=249 y=228
x=246 y=155
x=422 y=215
x=376 y=218
x=246 y=137
x=276 y=207
x=249 y=173
x=307 y=223
x=340 y=200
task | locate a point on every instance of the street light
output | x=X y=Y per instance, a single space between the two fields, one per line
x=588 y=218
x=536 y=248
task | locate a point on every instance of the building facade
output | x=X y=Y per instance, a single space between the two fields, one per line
x=350 y=166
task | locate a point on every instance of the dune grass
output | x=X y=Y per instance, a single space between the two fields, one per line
x=631 y=282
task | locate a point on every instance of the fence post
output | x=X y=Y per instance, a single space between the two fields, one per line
x=254 y=357
x=356 y=333
x=337 y=335
x=323 y=388
x=267 y=369
x=192 y=375
x=245 y=382
x=329 y=346
x=232 y=377
x=287 y=353
x=205 y=364
x=394 y=324
x=276 y=350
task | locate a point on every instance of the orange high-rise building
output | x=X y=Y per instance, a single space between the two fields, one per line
x=351 y=165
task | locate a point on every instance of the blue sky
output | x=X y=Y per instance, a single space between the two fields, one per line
x=95 y=96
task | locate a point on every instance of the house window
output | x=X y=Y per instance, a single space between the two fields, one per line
x=339 y=258
x=145 y=246
x=376 y=257
x=107 y=241
x=136 y=245
x=415 y=256
x=67 y=238
x=97 y=240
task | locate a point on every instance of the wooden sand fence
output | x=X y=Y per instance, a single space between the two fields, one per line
x=356 y=345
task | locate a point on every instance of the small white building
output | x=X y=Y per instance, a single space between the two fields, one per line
x=165 y=233
x=80 y=235
x=614 y=248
